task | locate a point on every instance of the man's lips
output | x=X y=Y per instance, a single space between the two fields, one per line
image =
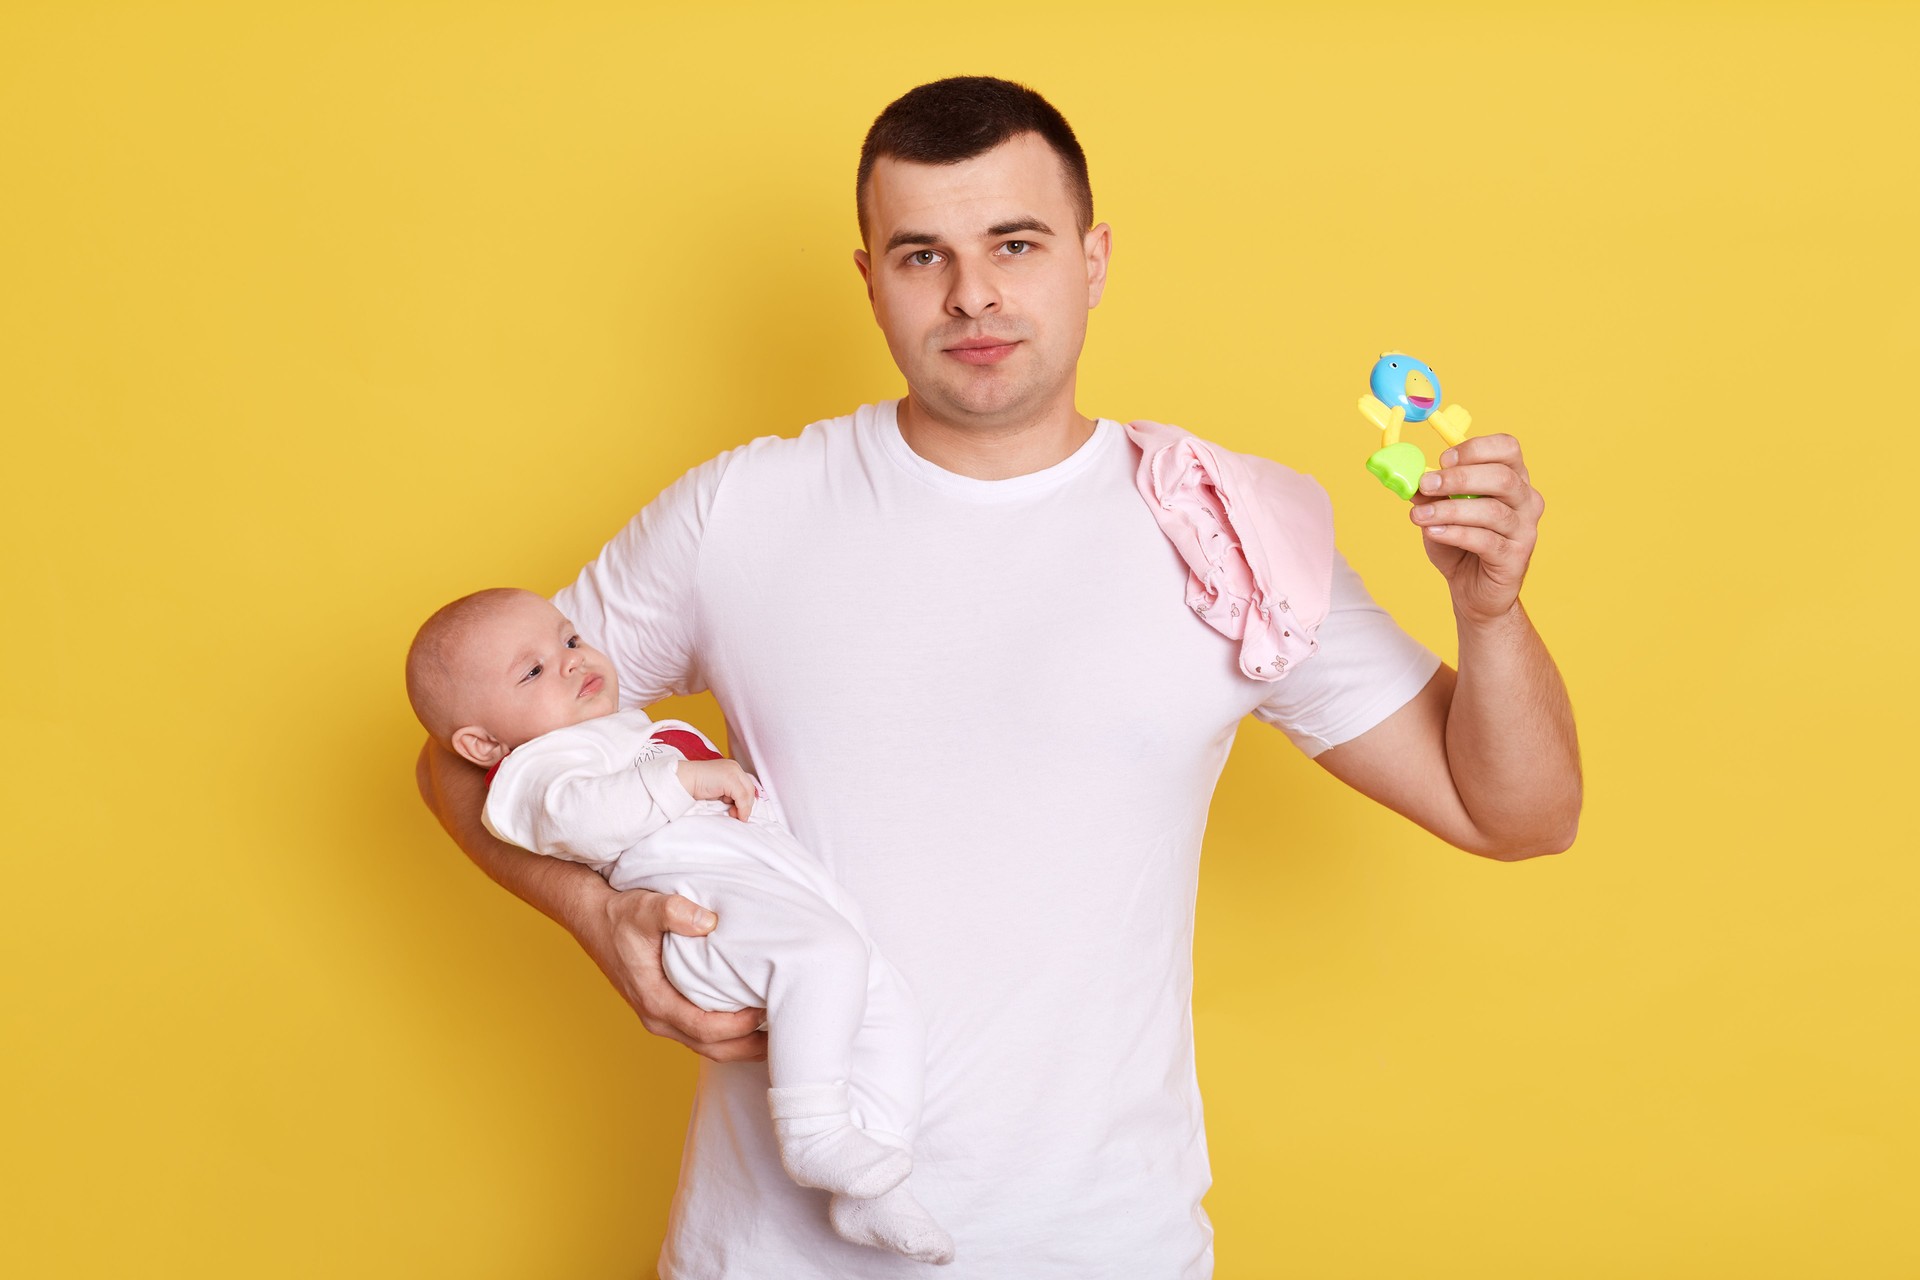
x=590 y=686
x=982 y=350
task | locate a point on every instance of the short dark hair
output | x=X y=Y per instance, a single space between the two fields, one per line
x=959 y=118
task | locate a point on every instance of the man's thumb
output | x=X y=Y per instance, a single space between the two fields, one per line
x=692 y=919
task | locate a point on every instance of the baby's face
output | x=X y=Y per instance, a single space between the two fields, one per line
x=522 y=672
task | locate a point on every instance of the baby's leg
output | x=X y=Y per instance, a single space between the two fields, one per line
x=889 y=1078
x=779 y=945
x=889 y=1056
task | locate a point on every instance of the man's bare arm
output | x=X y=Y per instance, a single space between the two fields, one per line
x=621 y=931
x=1487 y=759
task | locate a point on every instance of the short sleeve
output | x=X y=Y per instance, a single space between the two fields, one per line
x=1366 y=669
x=637 y=601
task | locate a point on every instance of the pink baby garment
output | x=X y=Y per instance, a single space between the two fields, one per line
x=1257 y=537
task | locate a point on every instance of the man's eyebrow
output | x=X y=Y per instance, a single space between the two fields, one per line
x=911 y=237
x=1019 y=224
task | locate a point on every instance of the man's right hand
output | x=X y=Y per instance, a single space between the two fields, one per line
x=621 y=931
x=628 y=952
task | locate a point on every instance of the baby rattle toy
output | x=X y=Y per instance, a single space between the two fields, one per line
x=1407 y=390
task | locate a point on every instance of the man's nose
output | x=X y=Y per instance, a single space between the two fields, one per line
x=973 y=292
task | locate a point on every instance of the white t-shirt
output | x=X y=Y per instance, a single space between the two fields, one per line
x=987 y=706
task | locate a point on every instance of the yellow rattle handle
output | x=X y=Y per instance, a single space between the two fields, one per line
x=1388 y=420
x=1452 y=423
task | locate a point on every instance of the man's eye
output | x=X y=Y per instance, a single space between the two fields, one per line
x=923 y=258
x=1017 y=247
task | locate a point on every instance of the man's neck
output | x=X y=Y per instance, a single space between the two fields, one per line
x=998 y=451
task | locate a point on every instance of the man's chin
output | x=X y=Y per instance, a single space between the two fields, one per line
x=984 y=400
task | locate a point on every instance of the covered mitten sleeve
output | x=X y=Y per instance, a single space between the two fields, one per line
x=569 y=796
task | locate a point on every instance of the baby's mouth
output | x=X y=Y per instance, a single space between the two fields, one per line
x=590 y=686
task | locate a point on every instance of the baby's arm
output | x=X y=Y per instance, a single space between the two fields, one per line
x=569 y=796
x=576 y=796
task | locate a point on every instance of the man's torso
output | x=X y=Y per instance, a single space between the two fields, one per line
x=988 y=709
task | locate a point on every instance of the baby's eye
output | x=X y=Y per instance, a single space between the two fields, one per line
x=573 y=642
x=533 y=672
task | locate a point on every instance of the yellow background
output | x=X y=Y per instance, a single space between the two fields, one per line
x=312 y=317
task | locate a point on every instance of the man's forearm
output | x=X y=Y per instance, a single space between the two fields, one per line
x=620 y=932
x=1511 y=745
x=567 y=893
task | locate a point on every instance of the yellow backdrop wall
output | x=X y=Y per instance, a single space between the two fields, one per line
x=314 y=315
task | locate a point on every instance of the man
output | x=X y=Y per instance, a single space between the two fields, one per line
x=952 y=637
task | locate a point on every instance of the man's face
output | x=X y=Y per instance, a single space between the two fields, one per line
x=981 y=281
x=524 y=672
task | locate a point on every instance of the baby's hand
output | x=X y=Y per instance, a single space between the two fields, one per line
x=719 y=780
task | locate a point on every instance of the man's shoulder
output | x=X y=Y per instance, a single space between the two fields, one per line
x=766 y=467
x=817 y=443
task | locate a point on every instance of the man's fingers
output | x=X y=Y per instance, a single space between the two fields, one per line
x=749 y=1048
x=666 y=1012
x=1484 y=513
x=681 y=1019
x=1482 y=479
x=1493 y=448
x=1484 y=449
x=719 y=1037
x=705 y=1027
x=641 y=917
x=1485 y=543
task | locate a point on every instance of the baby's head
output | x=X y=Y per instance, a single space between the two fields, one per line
x=497 y=668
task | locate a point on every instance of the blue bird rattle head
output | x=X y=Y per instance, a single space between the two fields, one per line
x=1403 y=382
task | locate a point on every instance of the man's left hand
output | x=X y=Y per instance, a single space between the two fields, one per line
x=1482 y=545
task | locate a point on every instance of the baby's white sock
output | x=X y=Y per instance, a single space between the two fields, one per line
x=820 y=1146
x=893 y=1221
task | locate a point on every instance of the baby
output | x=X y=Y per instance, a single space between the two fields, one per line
x=500 y=678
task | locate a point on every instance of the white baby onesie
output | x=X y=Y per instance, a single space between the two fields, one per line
x=846 y=1053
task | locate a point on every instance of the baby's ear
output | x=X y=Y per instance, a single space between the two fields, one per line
x=476 y=744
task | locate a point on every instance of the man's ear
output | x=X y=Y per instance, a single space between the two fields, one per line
x=476 y=744
x=865 y=264
x=1099 y=247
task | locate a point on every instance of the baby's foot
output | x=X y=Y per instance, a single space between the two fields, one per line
x=821 y=1147
x=894 y=1221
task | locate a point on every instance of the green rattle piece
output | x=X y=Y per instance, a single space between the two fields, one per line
x=1399 y=467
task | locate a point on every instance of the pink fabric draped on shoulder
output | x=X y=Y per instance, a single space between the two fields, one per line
x=1256 y=536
